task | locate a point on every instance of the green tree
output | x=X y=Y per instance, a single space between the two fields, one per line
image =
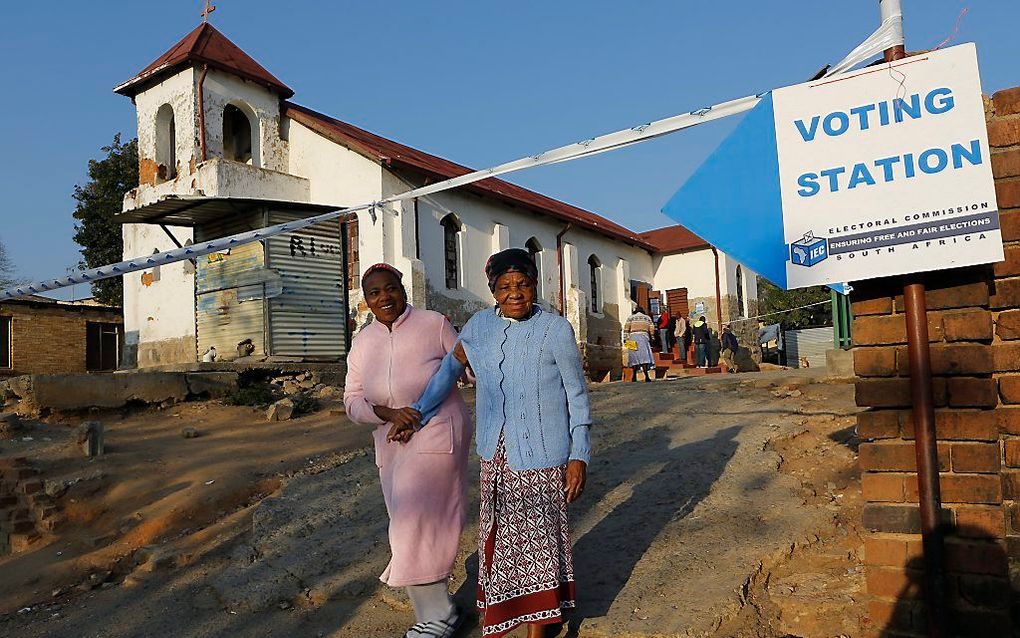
x=8 y=277
x=773 y=299
x=97 y=202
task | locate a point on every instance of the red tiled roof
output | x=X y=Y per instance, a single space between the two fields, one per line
x=205 y=45
x=396 y=154
x=673 y=239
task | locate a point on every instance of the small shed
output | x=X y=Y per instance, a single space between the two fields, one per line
x=285 y=295
x=39 y=335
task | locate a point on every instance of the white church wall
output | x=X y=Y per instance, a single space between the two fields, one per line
x=342 y=177
x=262 y=107
x=177 y=91
x=159 y=304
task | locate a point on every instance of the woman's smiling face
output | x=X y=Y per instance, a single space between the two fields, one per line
x=515 y=294
x=385 y=296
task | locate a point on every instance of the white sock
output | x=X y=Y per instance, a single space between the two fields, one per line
x=431 y=602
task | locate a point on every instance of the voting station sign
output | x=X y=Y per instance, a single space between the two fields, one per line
x=878 y=172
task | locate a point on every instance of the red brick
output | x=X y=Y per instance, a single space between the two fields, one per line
x=882 y=424
x=877 y=306
x=874 y=362
x=1011 y=452
x=1006 y=101
x=964 y=295
x=879 y=330
x=1010 y=266
x=1013 y=518
x=1009 y=225
x=968 y=392
x=975 y=457
x=1011 y=485
x=1009 y=388
x=1006 y=163
x=1007 y=192
x=891 y=518
x=891 y=582
x=976 y=557
x=879 y=550
x=981 y=623
x=1004 y=132
x=961 y=358
x=971 y=488
x=883 y=393
x=1008 y=419
x=968 y=325
x=895 y=615
x=984 y=592
x=1006 y=356
x=1007 y=324
x=972 y=425
x=12 y=462
x=896 y=456
x=977 y=521
x=1007 y=293
x=883 y=487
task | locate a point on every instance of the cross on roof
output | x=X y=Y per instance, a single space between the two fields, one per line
x=209 y=8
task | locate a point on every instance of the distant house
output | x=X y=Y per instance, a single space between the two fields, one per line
x=223 y=149
x=45 y=336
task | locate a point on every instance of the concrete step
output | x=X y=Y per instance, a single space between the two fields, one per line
x=19 y=542
x=31 y=486
x=8 y=462
x=20 y=526
x=16 y=474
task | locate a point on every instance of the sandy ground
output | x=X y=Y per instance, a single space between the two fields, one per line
x=713 y=508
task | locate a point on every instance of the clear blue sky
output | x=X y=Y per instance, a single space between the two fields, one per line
x=476 y=82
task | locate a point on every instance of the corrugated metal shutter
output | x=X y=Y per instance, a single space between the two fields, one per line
x=811 y=343
x=308 y=319
x=230 y=290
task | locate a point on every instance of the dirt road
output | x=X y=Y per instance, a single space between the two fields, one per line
x=697 y=488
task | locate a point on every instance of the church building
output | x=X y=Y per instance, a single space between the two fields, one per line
x=223 y=149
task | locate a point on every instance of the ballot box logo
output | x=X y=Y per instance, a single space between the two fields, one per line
x=809 y=250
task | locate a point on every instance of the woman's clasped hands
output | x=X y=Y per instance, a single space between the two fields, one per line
x=404 y=422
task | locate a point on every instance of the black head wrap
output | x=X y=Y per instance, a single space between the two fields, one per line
x=509 y=260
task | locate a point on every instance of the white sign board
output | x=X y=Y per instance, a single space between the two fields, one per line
x=886 y=171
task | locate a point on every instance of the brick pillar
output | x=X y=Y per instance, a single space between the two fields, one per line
x=974 y=326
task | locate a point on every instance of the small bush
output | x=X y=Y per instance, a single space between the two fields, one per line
x=253 y=395
x=304 y=404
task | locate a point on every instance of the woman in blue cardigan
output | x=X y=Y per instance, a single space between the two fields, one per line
x=533 y=420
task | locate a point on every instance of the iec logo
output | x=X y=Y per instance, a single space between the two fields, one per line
x=809 y=250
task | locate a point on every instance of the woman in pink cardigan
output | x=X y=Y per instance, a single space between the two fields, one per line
x=423 y=472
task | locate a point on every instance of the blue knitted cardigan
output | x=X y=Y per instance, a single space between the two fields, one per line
x=531 y=387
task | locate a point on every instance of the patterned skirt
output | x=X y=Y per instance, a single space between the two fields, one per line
x=526 y=572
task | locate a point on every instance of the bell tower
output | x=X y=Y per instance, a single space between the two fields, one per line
x=204 y=99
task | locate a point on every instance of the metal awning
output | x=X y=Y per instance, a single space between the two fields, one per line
x=191 y=210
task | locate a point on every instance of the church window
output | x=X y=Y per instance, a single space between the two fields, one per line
x=451 y=250
x=595 y=275
x=535 y=250
x=740 y=293
x=166 y=143
x=237 y=135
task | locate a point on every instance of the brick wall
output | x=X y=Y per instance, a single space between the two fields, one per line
x=50 y=338
x=974 y=326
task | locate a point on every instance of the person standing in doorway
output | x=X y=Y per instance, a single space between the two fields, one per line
x=730 y=346
x=702 y=337
x=665 y=334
